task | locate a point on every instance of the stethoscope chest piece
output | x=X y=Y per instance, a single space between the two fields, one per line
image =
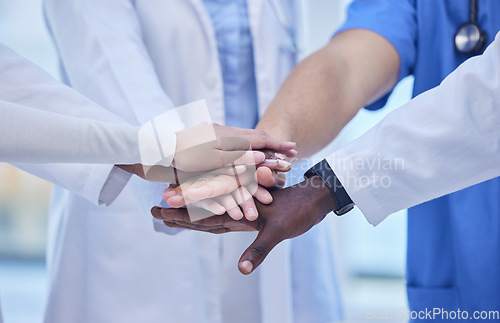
x=470 y=39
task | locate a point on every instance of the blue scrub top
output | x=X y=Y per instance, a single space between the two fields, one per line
x=453 y=259
x=235 y=49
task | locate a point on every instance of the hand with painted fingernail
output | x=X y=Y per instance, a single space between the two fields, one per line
x=211 y=146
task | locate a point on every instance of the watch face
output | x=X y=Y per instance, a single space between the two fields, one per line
x=345 y=209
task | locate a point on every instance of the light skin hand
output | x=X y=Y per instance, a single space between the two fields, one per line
x=295 y=210
x=326 y=90
x=218 y=146
x=210 y=186
x=226 y=192
x=162 y=174
x=193 y=147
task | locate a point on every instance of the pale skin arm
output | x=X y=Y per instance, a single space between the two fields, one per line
x=328 y=88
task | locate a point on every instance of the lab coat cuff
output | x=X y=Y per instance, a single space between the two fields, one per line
x=115 y=180
x=357 y=185
x=157 y=144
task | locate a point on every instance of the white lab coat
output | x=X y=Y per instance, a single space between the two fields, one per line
x=108 y=265
x=50 y=105
x=442 y=141
x=34 y=129
x=45 y=121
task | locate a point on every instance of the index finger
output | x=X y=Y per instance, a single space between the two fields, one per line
x=261 y=140
x=181 y=217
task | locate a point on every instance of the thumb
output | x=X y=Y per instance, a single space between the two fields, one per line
x=258 y=251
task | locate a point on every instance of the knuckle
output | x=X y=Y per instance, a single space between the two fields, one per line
x=280 y=231
x=258 y=250
x=259 y=224
x=263 y=137
x=262 y=133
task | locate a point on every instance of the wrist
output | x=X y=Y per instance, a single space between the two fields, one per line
x=323 y=171
x=319 y=194
x=277 y=128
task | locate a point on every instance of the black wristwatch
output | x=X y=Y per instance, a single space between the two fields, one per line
x=325 y=172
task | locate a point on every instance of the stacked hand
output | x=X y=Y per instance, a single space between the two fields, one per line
x=220 y=193
x=224 y=174
x=215 y=168
x=211 y=146
x=293 y=212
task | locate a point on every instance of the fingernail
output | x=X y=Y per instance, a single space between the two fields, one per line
x=175 y=198
x=293 y=151
x=291 y=143
x=279 y=156
x=284 y=163
x=268 y=199
x=259 y=156
x=246 y=266
x=219 y=210
x=236 y=214
x=271 y=161
x=168 y=194
x=252 y=214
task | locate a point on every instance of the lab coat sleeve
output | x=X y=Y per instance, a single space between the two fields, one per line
x=30 y=135
x=26 y=85
x=104 y=57
x=36 y=125
x=46 y=121
x=444 y=140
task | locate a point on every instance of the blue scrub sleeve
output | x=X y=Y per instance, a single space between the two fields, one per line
x=395 y=20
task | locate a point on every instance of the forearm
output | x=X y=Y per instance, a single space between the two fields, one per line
x=328 y=88
x=307 y=102
x=46 y=121
x=31 y=135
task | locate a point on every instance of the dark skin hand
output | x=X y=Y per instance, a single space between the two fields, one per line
x=294 y=211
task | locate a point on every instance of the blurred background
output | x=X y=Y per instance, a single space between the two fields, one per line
x=370 y=261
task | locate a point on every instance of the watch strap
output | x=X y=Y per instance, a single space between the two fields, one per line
x=327 y=175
